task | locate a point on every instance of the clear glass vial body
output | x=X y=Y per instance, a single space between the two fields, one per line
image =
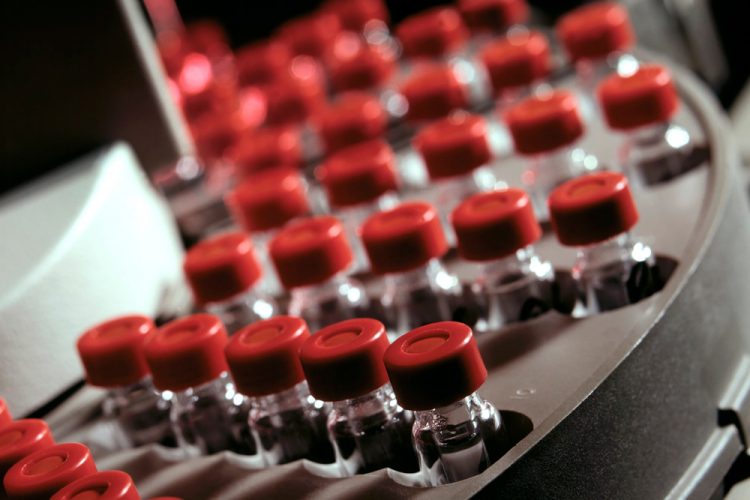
x=655 y=154
x=516 y=288
x=371 y=432
x=459 y=440
x=424 y=295
x=142 y=413
x=269 y=283
x=211 y=418
x=323 y=304
x=291 y=425
x=243 y=309
x=615 y=273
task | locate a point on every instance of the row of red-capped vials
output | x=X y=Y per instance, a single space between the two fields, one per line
x=344 y=396
x=34 y=467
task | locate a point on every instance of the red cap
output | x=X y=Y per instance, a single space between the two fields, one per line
x=496 y=224
x=215 y=133
x=264 y=357
x=21 y=438
x=592 y=208
x=112 y=352
x=359 y=174
x=266 y=148
x=44 y=472
x=432 y=93
x=595 y=31
x=355 y=15
x=262 y=62
x=310 y=251
x=493 y=15
x=518 y=60
x=353 y=64
x=187 y=352
x=454 y=146
x=544 y=123
x=646 y=97
x=5 y=416
x=312 y=34
x=345 y=360
x=292 y=99
x=403 y=238
x=202 y=93
x=354 y=117
x=435 y=365
x=105 y=485
x=432 y=33
x=269 y=199
x=221 y=267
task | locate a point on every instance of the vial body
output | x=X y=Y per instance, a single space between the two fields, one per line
x=516 y=288
x=458 y=441
x=212 y=418
x=142 y=413
x=371 y=432
x=243 y=309
x=291 y=425
x=615 y=273
x=424 y=295
x=335 y=300
x=656 y=154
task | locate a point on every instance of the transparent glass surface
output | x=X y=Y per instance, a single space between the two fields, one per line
x=657 y=154
x=142 y=413
x=335 y=300
x=241 y=310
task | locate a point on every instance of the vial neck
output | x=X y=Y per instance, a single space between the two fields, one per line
x=221 y=387
x=381 y=401
x=336 y=285
x=510 y=264
x=431 y=274
x=651 y=135
x=617 y=248
x=355 y=215
x=453 y=414
x=590 y=72
x=293 y=398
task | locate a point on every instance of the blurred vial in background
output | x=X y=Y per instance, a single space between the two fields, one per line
x=266 y=149
x=359 y=181
x=112 y=357
x=492 y=17
x=343 y=364
x=352 y=118
x=287 y=423
x=405 y=244
x=261 y=204
x=186 y=357
x=595 y=214
x=366 y=17
x=312 y=259
x=642 y=105
x=498 y=230
x=435 y=371
x=546 y=129
x=223 y=274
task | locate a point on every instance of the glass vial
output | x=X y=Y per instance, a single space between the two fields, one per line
x=352 y=118
x=343 y=364
x=223 y=273
x=286 y=422
x=435 y=371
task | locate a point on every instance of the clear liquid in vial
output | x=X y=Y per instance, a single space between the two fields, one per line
x=292 y=435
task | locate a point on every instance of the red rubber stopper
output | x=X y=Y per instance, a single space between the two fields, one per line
x=266 y=148
x=403 y=238
x=221 y=267
x=494 y=225
x=432 y=33
x=595 y=31
x=356 y=15
x=269 y=199
x=592 y=208
x=647 y=97
x=435 y=365
x=310 y=251
x=293 y=98
x=187 y=352
x=21 y=438
x=41 y=474
x=354 y=117
x=104 y=485
x=216 y=133
x=432 y=93
x=5 y=416
x=112 y=352
x=345 y=360
x=353 y=64
x=262 y=63
x=544 y=123
x=264 y=357
x=311 y=35
x=493 y=15
x=359 y=174
x=454 y=146
x=516 y=61
x=202 y=92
